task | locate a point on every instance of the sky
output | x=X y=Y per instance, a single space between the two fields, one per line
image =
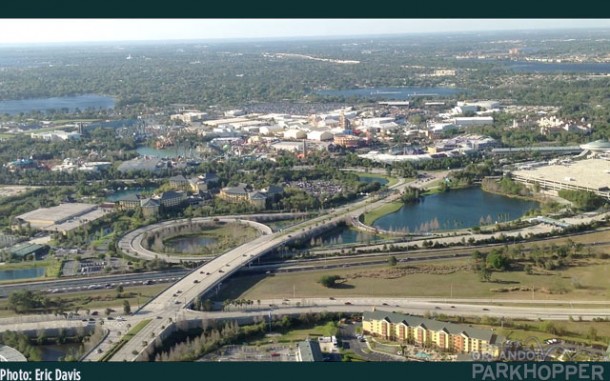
x=20 y=31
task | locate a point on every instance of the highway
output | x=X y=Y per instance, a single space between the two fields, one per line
x=94 y=282
x=420 y=306
x=172 y=304
x=204 y=279
x=514 y=309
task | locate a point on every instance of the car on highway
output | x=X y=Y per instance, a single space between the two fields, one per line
x=196 y=281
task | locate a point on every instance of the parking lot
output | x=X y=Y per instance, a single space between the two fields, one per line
x=92 y=266
x=271 y=352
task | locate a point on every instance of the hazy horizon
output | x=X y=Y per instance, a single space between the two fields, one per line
x=78 y=31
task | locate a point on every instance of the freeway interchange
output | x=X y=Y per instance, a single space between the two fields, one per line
x=173 y=304
x=175 y=300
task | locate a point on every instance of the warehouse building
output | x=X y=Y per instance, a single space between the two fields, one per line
x=62 y=218
x=591 y=175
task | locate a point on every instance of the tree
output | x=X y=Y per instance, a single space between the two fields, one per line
x=329 y=281
x=497 y=260
x=485 y=273
x=126 y=307
x=119 y=290
x=392 y=261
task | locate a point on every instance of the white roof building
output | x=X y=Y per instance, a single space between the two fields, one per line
x=319 y=135
x=294 y=133
x=55 y=135
x=473 y=121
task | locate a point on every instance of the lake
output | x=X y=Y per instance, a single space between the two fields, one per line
x=82 y=102
x=392 y=92
x=345 y=235
x=188 y=245
x=33 y=272
x=457 y=209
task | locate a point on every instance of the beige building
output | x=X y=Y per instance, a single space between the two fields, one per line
x=444 y=336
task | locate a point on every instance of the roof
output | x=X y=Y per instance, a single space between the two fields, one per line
x=593 y=174
x=256 y=196
x=129 y=197
x=58 y=213
x=26 y=248
x=274 y=189
x=170 y=195
x=310 y=350
x=431 y=324
x=149 y=203
x=239 y=190
x=211 y=176
x=178 y=178
x=11 y=354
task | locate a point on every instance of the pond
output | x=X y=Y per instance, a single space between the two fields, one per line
x=56 y=352
x=189 y=244
x=456 y=209
x=345 y=235
x=82 y=102
x=33 y=272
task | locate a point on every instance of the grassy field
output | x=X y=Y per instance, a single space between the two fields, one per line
x=388 y=208
x=574 y=331
x=225 y=236
x=588 y=280
x=99 y=299
x=391 y=180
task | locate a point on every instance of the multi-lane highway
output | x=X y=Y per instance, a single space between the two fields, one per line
x=173 y=303
x=210 y=275
x=95 y=283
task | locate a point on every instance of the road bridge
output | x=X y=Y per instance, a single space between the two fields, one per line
x=209 y=277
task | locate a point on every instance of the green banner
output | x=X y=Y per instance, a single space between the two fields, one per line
x=483 y=371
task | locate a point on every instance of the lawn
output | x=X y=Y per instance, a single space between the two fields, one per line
x=99 y=299
x=387 y=208
x=588 y=281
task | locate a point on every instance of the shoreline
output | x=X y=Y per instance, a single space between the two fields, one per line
x=394 y=206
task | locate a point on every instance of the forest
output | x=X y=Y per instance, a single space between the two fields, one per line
x=145 y=76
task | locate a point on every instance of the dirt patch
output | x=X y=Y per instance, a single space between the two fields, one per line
x=14 y=190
